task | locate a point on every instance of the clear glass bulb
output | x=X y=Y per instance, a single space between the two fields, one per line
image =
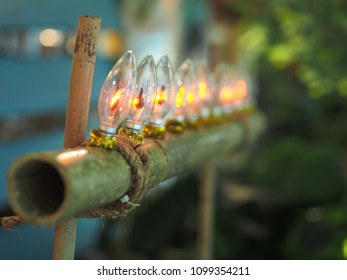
x=203 y=88
x=116 y=93
x=144 y=96
x=234 y=89
x=192 y=97
x=165 y=91
x=226 y=80
x=240 y=91
x=215 y=106
x=243 y=91
x=183 y=86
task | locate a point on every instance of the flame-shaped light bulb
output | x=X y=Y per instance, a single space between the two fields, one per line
x=244 y=94
x=234 y=90
x=240 y=92
x=183 y=83
x=116 y=93
x=163 y=99
x=183 y=80
x=203 y=87
x=165 y=91
x=226 y=81
x=184 y=97
x=215 y=105
x=143 y=99
x=192 y=96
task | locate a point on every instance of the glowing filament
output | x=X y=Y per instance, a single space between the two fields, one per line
x=161 y=96
x=240 y=90
x=226 y=94
x=180 y=97
x=190 y=97
x=202 y=90
x=115 y=99
x=138 y=101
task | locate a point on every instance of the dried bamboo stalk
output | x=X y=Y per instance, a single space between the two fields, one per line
x=207 y=203
x=76 y=122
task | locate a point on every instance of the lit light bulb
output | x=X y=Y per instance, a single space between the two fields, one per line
x=240 y=92
x=215 y=105
x=225 y=80
x=244 y=92
x=116 y=93
x=163 y=100
x=185 y=101
x=203 y=87
x=143 y=99
x=165 y=91
x=189 y=82
x=185 y=97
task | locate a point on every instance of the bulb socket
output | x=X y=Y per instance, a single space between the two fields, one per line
x=108 y=130
x=192 y=118
x=134 y=126
x=157 y=122
x=205 y=113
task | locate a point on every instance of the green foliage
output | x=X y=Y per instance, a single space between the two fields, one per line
x=296 y=49
x=300 y=37
x=304 y=174
x=320 y=237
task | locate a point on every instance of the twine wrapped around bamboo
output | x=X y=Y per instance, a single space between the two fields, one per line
x=46 y=187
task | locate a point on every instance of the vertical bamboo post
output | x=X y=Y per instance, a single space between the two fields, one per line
x=76 y=122
x=207 y=202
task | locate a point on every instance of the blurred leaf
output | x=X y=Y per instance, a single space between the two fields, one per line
x=303 y=173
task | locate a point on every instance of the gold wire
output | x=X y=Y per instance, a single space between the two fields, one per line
x=136 y=137
x=152 y=131
x=175 y=126
x=192 y=124
x=99 y=139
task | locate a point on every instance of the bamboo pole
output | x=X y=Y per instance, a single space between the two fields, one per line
x=207 y=203
x=46 y=187
x=81 y=80
x=207 y=200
